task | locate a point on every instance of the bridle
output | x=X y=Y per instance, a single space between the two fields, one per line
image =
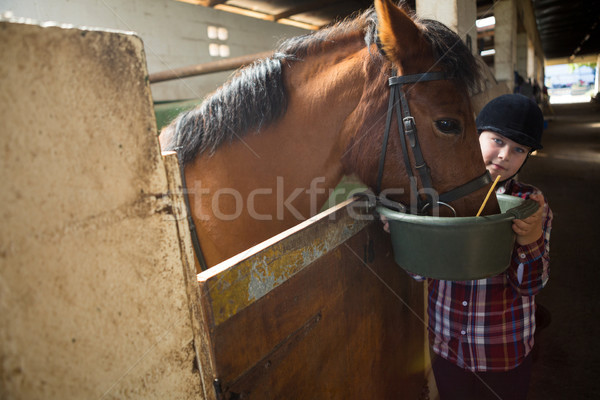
x=407 y=131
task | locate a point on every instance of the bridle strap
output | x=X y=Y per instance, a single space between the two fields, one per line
x=186 y=198
x=386 y=135
x=192 y=225
x=467 y=188
x=416 y=78
x=407 y=131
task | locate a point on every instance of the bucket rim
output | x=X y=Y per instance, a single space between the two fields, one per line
x=522 y=210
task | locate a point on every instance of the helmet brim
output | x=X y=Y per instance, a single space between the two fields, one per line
x=514 y=135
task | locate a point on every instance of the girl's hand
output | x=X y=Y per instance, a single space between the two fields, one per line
x=529 y=230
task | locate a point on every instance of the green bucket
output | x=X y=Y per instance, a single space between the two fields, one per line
x=459 y=248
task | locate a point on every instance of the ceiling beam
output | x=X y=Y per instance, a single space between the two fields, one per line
x=212 y=3
x=312 y=6
x=205 y=3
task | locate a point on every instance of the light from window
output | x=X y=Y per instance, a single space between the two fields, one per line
x=222 y=33
x=484 y=22
x=224 y=50
x=212 y=31
x=213 y=49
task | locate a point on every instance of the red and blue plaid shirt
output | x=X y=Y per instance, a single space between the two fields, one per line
x=488 y=324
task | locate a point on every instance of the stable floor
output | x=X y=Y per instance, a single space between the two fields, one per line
x=567 y=357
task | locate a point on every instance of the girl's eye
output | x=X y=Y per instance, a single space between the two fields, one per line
x=520 y=150
x=498 y=141
x=449 y=126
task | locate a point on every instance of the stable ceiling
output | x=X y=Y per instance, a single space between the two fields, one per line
x=566 y=27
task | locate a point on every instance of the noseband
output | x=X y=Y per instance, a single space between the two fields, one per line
x=407 y=131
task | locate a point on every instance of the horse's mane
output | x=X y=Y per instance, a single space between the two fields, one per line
x=255 y=95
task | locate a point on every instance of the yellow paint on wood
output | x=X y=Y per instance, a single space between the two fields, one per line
x=241 y=284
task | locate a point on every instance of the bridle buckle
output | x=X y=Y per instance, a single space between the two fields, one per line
x=410 y=129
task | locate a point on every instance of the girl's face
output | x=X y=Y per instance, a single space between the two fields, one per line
x=501 y=155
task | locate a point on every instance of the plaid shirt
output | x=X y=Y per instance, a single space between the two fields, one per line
x=488 y=324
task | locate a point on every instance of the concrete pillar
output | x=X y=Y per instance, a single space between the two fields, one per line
x=527 y=61
x=522 y=55
x=505 y=59
x=531 y=70
x=458 y=15
x=535 y=53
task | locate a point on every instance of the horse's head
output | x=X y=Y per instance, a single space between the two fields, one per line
x=435 y=72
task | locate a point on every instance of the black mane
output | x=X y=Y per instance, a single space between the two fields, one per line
x=255 y=96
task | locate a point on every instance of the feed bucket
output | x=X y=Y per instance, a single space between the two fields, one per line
x=457 y=248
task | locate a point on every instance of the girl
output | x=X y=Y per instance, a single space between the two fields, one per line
x=482 y=331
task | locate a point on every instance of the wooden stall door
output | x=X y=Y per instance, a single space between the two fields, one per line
x=318 y=312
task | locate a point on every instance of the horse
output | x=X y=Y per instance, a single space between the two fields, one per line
x=263 y=151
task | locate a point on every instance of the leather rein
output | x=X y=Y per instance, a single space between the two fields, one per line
x=407 y=131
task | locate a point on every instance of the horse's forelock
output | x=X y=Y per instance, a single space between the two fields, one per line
x=452 y=54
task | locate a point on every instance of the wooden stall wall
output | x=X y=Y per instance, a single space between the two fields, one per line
x=318 y=312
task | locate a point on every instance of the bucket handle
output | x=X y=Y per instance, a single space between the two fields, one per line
x=524 y=210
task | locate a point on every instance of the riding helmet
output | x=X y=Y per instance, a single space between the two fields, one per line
x=514 y=116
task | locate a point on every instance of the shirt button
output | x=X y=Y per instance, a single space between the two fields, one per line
x=463 y=332
x=522 y=256
x=464 y=303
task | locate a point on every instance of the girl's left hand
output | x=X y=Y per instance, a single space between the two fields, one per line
x=529 y=230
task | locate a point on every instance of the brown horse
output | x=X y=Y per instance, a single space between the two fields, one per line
x=263 y=151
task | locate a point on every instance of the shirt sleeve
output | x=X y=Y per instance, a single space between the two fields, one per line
x=530 y=264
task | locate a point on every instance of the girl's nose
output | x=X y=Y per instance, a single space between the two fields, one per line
x=503 y=153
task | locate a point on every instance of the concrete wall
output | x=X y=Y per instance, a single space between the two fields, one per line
x=96 y=289
x=174 y=33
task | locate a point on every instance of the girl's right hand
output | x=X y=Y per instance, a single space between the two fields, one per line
x=529 y=230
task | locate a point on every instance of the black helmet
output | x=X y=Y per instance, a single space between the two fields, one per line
x=514 y=116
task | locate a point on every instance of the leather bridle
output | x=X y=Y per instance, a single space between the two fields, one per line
x=407 y=131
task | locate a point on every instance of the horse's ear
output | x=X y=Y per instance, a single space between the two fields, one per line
x=399 y=36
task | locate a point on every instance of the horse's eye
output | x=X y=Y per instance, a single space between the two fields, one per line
x=449 y=126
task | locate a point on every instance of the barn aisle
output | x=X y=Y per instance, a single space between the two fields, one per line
x=567 y=357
